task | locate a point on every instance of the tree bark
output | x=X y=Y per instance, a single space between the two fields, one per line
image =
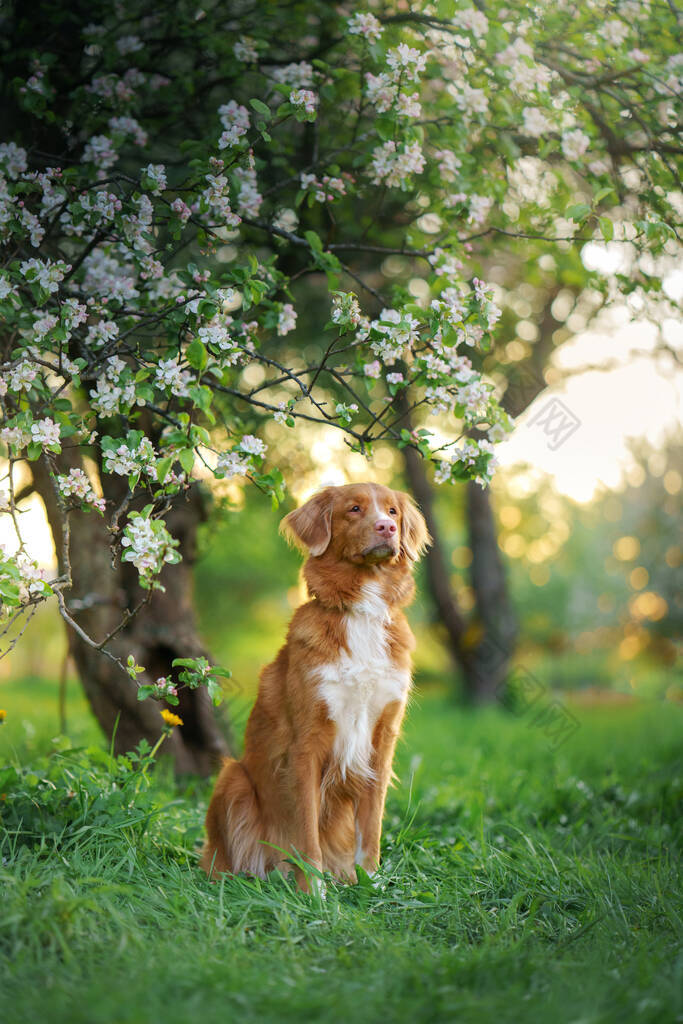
x=102 y=592
x=481 y=646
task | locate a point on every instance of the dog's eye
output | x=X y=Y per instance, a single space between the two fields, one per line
x=392 y=511
x=356 y=508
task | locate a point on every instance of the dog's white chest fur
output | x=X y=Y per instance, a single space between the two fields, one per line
x=359 y=684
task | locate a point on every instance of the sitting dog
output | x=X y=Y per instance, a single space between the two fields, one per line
x=320 y=739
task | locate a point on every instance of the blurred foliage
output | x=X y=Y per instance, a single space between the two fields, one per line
x=594 y=586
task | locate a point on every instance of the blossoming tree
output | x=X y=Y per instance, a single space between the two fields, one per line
x=178 y=186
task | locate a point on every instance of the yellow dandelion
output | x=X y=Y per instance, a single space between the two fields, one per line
x=170 y=718
x=3 y=715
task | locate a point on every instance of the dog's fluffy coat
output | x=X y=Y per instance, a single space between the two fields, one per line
x=320 y=739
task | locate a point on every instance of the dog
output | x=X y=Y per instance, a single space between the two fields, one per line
x=311 y=786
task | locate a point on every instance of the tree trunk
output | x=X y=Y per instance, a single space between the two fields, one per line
x=163 y=629
x=494 y=631
x=482 y=646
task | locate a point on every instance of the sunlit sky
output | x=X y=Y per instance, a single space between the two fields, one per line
x=638 y=396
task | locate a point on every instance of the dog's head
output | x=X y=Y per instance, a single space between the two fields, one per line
x=364 y=524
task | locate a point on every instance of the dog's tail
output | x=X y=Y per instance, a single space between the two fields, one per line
x=234 y=830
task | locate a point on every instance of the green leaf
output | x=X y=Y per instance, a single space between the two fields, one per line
x=186 y=459
x=163 y=467
x=260 y=108
x=606 y=228
x=215 y=692
x=578 y=212
x=197 y=355
x=314 y=240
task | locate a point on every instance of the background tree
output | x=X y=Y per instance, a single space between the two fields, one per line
x=175 y=184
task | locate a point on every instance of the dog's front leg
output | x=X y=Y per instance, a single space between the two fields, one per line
x=370 y=808
x=306 y=839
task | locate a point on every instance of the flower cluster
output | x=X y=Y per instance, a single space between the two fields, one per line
x=149 y=546
x=393 y=164
x=76 y=484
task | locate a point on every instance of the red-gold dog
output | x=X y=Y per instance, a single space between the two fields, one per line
x=320 y=739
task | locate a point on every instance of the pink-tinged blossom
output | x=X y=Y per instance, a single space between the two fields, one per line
x=249 y=199
x=365 y=25
x=45 y=432
x=99 y=150
x=398 y=332
x=77 y=485
x=381 y=91
x=74 y=313
x=394 y=378
x=252 y=445
x=101 y=333
x=46 y=274
x=148 y=545
x=479 y=209
x=448 y=163
x=282 y=414
x=15 y=436
x=408 y=105
x=305 y=99
x=472 y=101
x=42 y=325
x=22 y=376
x=406 y=62
x=373 y=369
x=393 y=167
x=231 y=464
x=450 y=305
x=235 y=120
x=346 y=311
x=217 y=198
x=181 y=209
x=325 y=189
x=106 y=276
x=128 y=126
x=218 y=335
x=286 y=320
x=157 y=175
x=169 y=377
x=444 y=263
x=473 y=21
x=638 y=56
x=575 y=144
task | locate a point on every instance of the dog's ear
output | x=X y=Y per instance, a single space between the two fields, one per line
x=310 y=527
x=414 y=533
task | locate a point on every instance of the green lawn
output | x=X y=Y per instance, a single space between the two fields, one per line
x=519 y=883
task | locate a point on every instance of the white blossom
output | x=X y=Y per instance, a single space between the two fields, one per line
x=393 y=166
x=366 y=25
x=45 y=431
x=575 y=144
x=157 y=174
x=535 y=122
x=252 y=445
x=286 y=320
x=235 y=120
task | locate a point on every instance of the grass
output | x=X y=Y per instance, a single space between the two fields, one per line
x=519 y=883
